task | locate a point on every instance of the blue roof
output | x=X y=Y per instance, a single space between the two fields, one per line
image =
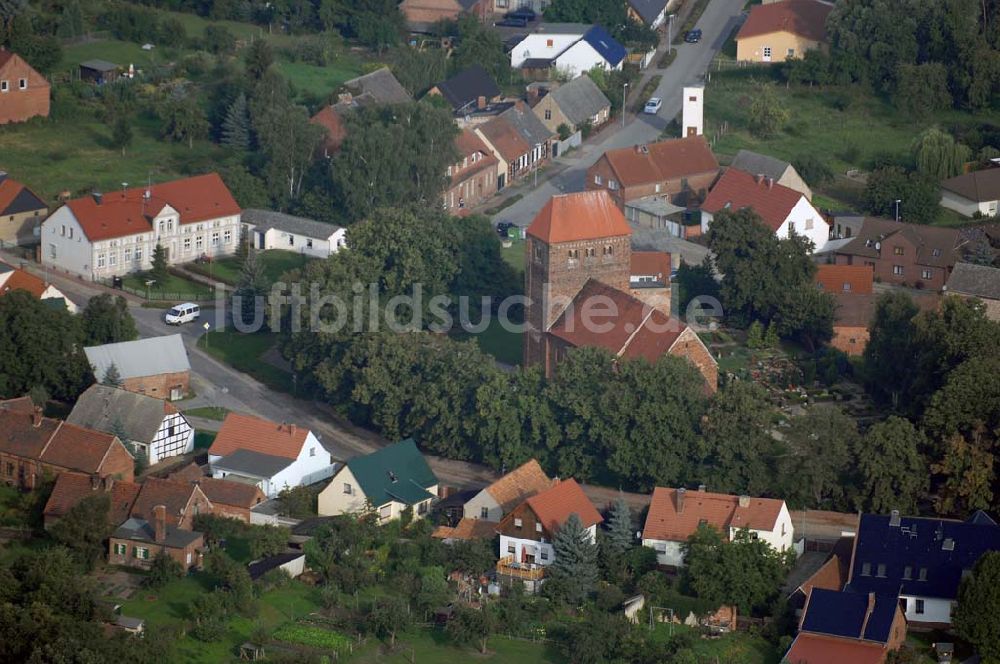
x=919 y=557
x=605 y=44
x=843 y=614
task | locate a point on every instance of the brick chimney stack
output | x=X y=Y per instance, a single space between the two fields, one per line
x=95 y=481
x=744 y=501
x=160 y=523
x=680 y=499
x=36 y=417
x=868 y=614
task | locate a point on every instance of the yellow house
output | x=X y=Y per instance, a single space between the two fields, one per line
x=778 y=31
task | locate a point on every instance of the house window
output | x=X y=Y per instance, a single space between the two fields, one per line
x=897 y=270
x=100 y=260
x=548 y=43
x=422 y=508
x=782 y=529
x=880 y=572
x=657 y=187
x=613 y=185
x=767 y=52
x=140 y=553
x=385 y=512
x=227 y=236
x=538 y=527
x=215 y=239
x=138 y=254
x=187 y=245
x=511 y=549
x=692 y=99
x=309 y=243
x=791 y=228
x=120 y=549
x=199 y=243
x=847 y=287
x=347 y=488
x=936 y=252
x=291 y=240
x=518 y=523
x=52 y=251
x=926 y=274
x=791 y=52
x=660 y=547
x=62 y=232
x=484 y=512
x=597 y=180
x=545 y=554
x=897 y=251
x=312 y=451
x=113 y=258
x=920 y=607
x=809 y=224
x=10 y=469
x=922 y=575
x=170 y=431
x=548 y=114
x=127 y=255
x=188 y=558
x=866 y=569
x=4 y=86
x=907 y=573
x=22 y=84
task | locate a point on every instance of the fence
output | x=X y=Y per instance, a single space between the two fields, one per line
x=158 y=295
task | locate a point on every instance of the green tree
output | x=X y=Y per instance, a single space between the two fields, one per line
x=163 y=570
x=236 y=125
x=574 y=569
x=918 y=195
x=969 y=401
x=298 y=502
x=755 y=335
x=249 y=296
x=433 y=591
x=922 y=89
x=71 y=21
x=112 y=377
x=819 y=464
x=767 y=114
x=736 y=448
x=388 y=617
x=208 y=611
x=978 y=598
x=620 y=536
x=479 y=45
x=892 y=472
x=813 y=170
x=84 y=528
x=106 y=320
x=258 y=58
x=183 y=120
x=159 y=269
x=267 y=541
x=938 y=155
x=695 y=281
x=470 y=625
x=965 y=476
x=889 y=368
x=121 y=132
x=218 y=39
x=806 y=315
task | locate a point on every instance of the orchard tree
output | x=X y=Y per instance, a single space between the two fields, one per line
x=767 y=114
x=966 y=474
x=974 y=618
x=121 y=132
x=389 y=616
x=918 y=195
x=474 y=625
x=892 y=471
x=163 y=570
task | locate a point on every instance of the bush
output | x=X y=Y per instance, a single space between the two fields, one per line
x=163 y=570
x=313 y=637
x=813 y=170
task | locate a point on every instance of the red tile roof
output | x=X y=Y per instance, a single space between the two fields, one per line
x=666 y=160
x=23 y=434
x=468 y=143
x=858 y=310
x=126 y=213
x=235 y=494
x=526 y=480
x=71 y=488
x=831 y=576
x=244 y=432
x=722 y=511
x=5 y=55
x=857 y=278
x=173 y=495
x=20 y=405
x=553 y=506
x=805 y=18
x=655 y=338
x=188 y=473
x=78 y=448
x=651 y=263
x=585 y=215
x=10 y=188
x=738 y=189
x=336 y=132
x=467 y=529
x=21 y=280
x=819 y=649
x=503 y=136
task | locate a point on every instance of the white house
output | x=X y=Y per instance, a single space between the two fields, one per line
x=923 y=561
x=142 y=422
x=675 y=514
x=269 y=455
x=527 y=531
x=499 y=498
x=972 y=193
x=781 y=208
x=105 y=235
x=387 y=481
x=570 y=48
x=275 y=230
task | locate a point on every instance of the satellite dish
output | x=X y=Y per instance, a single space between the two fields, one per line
x=878 y=246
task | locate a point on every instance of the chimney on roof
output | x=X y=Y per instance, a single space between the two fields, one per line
x=481 y=101
x=758 y=178
x=345 y=98
x=98 y=197
x=160 y=523
x=702 y=488
x=894 y=519
x=36 y=417
x=744 y=501
x=770 y=183
x=95 y=481
x=868 y=614
x=107 y=483
x=680 y=499
x=291 y=429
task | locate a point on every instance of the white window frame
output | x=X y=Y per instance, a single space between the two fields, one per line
x=22 y=84
x=4 y=86
x=926 y=274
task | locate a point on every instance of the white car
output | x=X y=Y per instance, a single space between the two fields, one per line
x=182 y=313
x=653 y=106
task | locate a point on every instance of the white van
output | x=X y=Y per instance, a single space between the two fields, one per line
x=182 y=313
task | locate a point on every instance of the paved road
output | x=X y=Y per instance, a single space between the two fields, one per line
x=691 y=63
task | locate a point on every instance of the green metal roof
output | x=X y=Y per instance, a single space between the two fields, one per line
x=396 y=472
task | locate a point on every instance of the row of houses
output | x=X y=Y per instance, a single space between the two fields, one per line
x=422 y=15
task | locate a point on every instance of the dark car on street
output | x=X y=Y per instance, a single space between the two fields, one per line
x=513 y=23
x=693 y=36
x=526 y=13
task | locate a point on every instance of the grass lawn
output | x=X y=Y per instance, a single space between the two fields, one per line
x=174 y=288
x=431 y=646
x=217 y=413
x=170 y=606
x=845 y=126
x=243 y=352
x=514 y=255
x=274 y=262
x=122 y=53
x=734 y=647
x=321 y=81
x=505 y=346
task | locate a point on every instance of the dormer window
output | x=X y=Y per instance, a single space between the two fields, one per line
x=518 y=523
x=866 y=569
x=392 y=477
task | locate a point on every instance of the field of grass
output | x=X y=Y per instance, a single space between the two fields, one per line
x=169 y=606
x=121 y=53
x=432 y=647
x=319 y=81
x=174 y=288
x=514 y=255
x=217 y=413
x=275 y=263
x=244 y=353
x=505 y=346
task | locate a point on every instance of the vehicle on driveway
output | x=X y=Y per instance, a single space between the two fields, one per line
x=512 y=23
x=653 y=106
x=503 y=228
x=693 y=36
x=182 y=313
x=526 y=13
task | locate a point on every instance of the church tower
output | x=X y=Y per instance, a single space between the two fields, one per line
x=575 y=237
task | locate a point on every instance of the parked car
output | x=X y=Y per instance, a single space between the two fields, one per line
x=503 y=228
x=693 y=36
x=526 y=13
x=182 y=313
x=513 y=23
x=653 y=106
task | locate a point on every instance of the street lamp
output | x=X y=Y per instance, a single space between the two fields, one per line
x=670 y=33
x=624 y=88
x=537 y=157
x=898 y=201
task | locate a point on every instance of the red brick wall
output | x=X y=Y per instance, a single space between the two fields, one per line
x=118 y=464
x=849 y=339
x=28 y=473
x=19 y=105
x=472 y=190
x=690 y=347
x=232 y=512
x=884 y=266
x=159 y=386
x=198 y=504
x=699 y=184
x=180 y=555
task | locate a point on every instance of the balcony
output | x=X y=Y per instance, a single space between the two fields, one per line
x=506 y=566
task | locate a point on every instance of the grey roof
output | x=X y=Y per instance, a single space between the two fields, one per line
x=580 y=99
x=527 y=125
x=657 y=204
x=253 y=463
x=103 y=408
x=268 y=219
x=143 y=357
x=259 y=568
x=99 y=65
x=129 y=623
x=979 y=186
x=760 y=164
x=141 y=530
x=467 y=86
x=564 y=28
x=381 y=85
x=536 y=63
x=977 y=280
x=649 y=10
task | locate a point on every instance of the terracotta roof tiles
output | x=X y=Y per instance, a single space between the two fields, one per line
x=721 y=511
x=175 y=496
x=71 y=488
x=521 y=483
x=666 y=160
x=20 y=405
x=245 y=432
x=738 y=189
x=235 y=494
x=805 y=18
x=584 y=215
x=847 y=279
x=651 y=263
x=466 y=529
x=505 y=138
x=553 y=506
x=78 y=448
x=819 y=649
